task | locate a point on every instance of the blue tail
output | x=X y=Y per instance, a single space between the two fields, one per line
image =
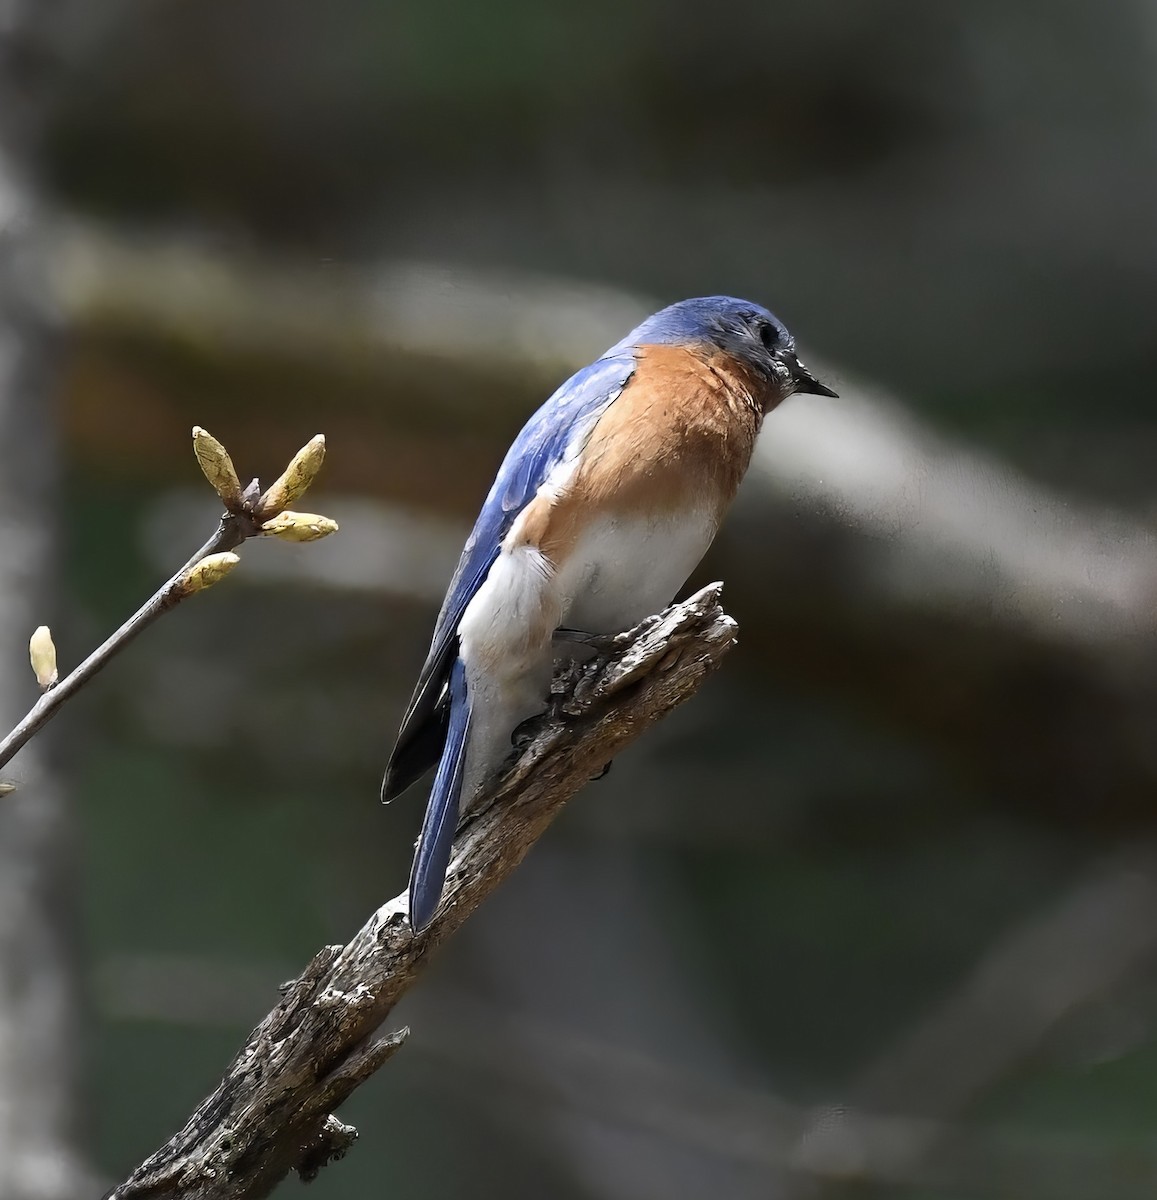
x=436 y=840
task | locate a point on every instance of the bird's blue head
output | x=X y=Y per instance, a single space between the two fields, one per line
x=748 y=332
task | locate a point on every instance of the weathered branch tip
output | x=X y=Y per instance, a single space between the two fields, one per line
x=273 y=1111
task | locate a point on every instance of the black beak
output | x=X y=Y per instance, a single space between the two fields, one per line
x=805 y=381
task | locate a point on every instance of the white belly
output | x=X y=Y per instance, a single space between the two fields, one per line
x=617 y=574
x=624 y=570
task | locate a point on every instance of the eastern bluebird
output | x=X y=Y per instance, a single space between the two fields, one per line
x=603 y=506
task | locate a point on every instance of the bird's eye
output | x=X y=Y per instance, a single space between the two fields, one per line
x=769 y=336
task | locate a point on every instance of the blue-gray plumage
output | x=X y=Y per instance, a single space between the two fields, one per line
x=603 y=505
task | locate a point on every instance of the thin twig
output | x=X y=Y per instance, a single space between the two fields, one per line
x=266 y=1116
x=249 y=513
x=231 y=532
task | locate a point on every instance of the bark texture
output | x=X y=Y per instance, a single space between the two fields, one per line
x=272 y=1113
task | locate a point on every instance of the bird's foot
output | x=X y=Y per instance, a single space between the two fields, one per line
x=603 y=773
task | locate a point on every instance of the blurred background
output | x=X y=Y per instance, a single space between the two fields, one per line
x=876 y=913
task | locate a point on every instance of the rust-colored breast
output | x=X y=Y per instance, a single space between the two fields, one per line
x=678 y=439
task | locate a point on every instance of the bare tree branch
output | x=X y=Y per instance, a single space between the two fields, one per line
x=272 y=1112
x=249 y=514
x=226 y=537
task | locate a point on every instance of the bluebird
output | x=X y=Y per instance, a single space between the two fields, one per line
x=603 y=506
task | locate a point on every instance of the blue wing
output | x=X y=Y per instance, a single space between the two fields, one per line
x=436 y=841
x=555 y=433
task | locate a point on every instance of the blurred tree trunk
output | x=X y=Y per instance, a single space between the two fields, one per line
x=39 y=1048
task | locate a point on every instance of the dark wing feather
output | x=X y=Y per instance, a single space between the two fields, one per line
x=555 y=433
x=436 y=841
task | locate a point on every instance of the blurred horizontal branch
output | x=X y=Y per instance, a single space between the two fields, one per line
x=948 y=521
x=921 y=579
x=350 y=317
x=321 y=1041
